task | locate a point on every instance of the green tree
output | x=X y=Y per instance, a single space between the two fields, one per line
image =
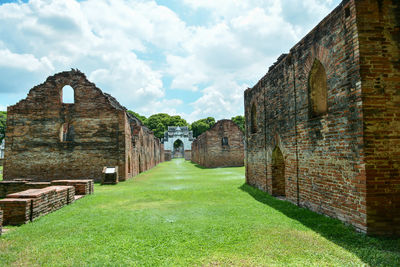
x=240 y=121
x=202 y=125
x=137 y=115
x=3 y=119
x=159 y=123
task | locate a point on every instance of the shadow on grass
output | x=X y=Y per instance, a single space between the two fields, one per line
x=374 y=251
x=223 y=167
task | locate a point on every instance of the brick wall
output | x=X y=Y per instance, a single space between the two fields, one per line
x=210 y=150
x=100 y=133
x=326 y=156
x=378 y=25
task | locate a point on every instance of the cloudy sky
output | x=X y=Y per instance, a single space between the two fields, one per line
x=189 y=57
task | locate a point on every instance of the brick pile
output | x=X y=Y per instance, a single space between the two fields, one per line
x=82 y=187
x=41 y=200
x=9 y=187
x=64 y=195
x=28 y=205
x=16 y=211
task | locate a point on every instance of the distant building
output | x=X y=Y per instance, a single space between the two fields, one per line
x=2 y=149
x=178 y=142
x=220 y=146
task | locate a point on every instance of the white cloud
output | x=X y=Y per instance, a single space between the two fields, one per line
x=24 y=61
x=108 y=40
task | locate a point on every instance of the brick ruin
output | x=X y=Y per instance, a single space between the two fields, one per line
x=220 y=146
x=47 y=139
x=322 y=127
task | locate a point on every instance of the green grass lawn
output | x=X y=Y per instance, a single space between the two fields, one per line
x=1 y=173
x=178 y=214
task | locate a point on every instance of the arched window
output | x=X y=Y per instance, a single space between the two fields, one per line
x=317 y=90
x=67 y=132
x=224 y=141
x=253 y=119
x=68 y=95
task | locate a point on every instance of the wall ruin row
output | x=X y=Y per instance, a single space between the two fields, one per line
x=220 y=146
x=338 y=150
x=47 y=139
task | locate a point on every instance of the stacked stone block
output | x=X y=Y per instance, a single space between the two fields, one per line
x=343 y=162
x=220 y=146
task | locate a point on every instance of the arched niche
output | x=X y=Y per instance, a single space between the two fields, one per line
x=278 y=173
x=317 y=90
x=253 y=119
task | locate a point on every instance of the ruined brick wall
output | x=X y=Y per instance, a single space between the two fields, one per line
x=220 y=146
x=378 y=25
x=47 y=139
x=317 y=157
x=341 y=161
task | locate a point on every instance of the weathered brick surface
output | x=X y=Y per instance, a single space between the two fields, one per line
x=343 y=163
x=42 y=200
x=378 y=24
x=64 y=195
x=220 y=146
x=9 y=187
x=82 y=187
x=16 y=211
x=101 y=133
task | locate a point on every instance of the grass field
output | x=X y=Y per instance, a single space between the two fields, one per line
x=178 y=214
x=1 y=173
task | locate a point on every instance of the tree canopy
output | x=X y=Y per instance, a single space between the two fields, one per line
x=239 y=120
x=202 y=125
x=3 y=119
x=137 y=115
x=159 y=123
